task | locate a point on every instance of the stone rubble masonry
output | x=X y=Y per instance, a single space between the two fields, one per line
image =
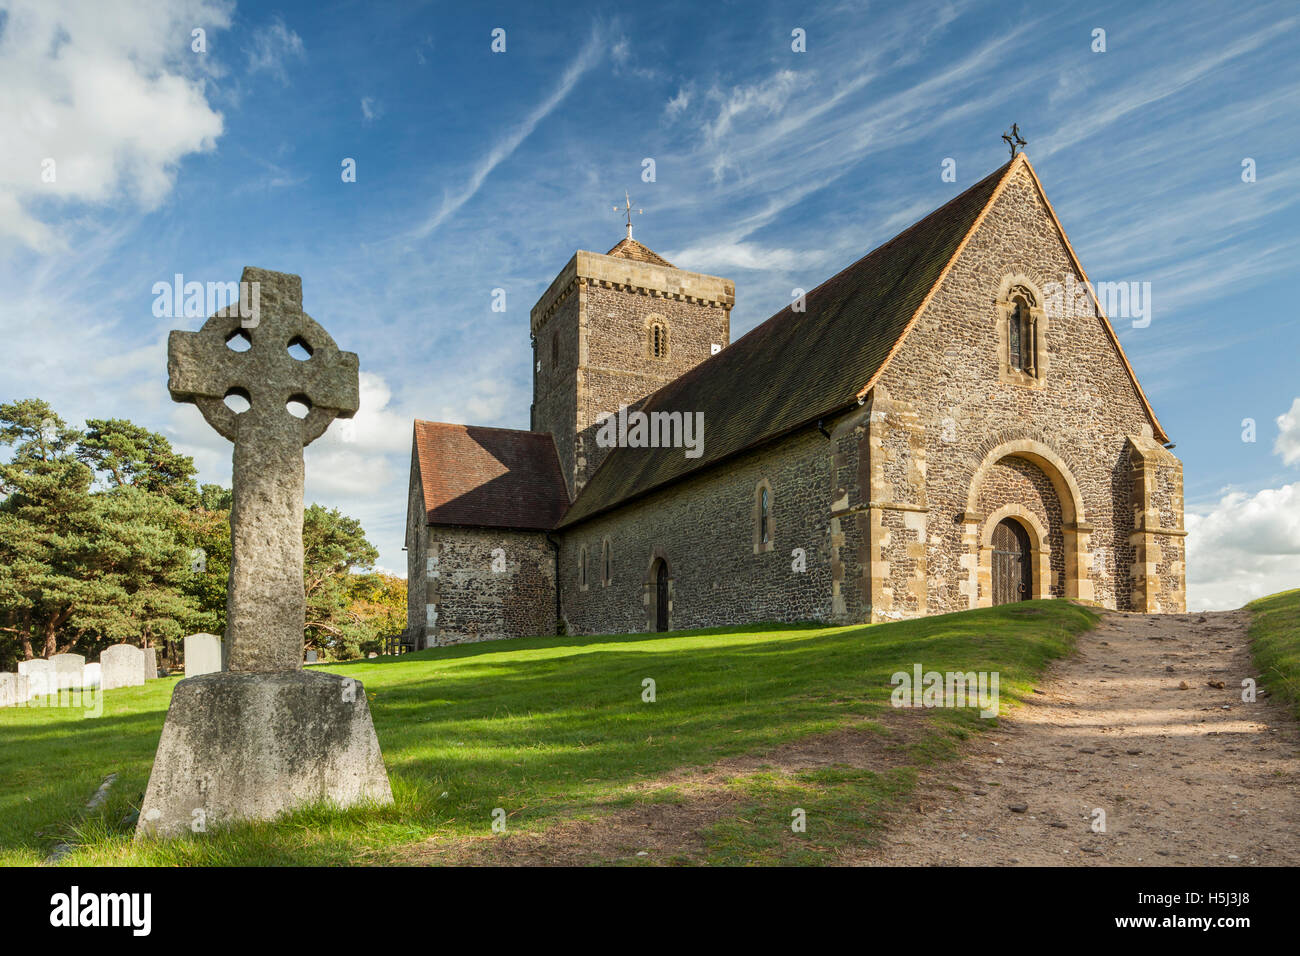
x=1077 y=425
x=893 y=502
x=1158 y=539
x=901 y=503
x=459 y=591
x=601 y=308
x=702 y=528
x=484 y=583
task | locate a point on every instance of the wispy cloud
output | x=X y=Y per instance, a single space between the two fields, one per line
x=587 y=58
x=273 y=48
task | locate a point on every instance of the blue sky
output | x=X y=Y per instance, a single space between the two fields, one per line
x=479 y=170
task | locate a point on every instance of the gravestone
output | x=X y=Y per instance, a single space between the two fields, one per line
x=69 y=671
x=265 y=736
x=150 y=663
x=202 y=654
x=93 y=676
x=40 y=676
x=121 y=665
x=9 y=690
x=311 y=657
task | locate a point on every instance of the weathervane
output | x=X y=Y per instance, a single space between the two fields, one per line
x=628 y=200
x=1014 y=139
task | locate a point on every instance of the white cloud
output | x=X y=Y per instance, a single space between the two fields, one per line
x=370 y=109
x=678 y=103
x=374 y=428
x=109 y=93
x=273 y=46
x=1245 y=547
x=747 y=255
x=1288 y=439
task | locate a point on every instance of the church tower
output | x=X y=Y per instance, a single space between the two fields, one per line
x=609 y=331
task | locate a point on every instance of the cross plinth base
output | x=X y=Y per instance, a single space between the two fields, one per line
x=253 y=746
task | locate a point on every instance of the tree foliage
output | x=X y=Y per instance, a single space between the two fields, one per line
x=106 y=537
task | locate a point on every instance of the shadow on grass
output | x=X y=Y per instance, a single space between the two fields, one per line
x=542 y=727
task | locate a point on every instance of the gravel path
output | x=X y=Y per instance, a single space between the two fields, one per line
x=1135 y=725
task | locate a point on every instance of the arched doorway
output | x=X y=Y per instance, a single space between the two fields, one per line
x=659 y=579
x=1074 y=530
x=1013 y=566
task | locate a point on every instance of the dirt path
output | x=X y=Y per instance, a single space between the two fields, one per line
x=1185 y=776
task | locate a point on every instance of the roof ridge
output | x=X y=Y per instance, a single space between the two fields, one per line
x=696 y=371
x=627 y=242
x=493 y=428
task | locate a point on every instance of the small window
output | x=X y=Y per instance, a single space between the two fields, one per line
x=1020 y=336
x=1021 y=331
x=764 y=532
x=605 y=574
x=582 y=568
x=1014 y=322
x=658 y=340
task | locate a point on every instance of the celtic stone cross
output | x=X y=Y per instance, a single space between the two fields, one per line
x=265 y=605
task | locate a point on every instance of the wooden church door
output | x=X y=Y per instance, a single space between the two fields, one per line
x=1012 y=568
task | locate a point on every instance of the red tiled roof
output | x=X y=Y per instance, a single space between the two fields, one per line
x=629 y=248
x=489 y=477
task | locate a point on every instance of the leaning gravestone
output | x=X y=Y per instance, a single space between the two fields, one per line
x=69 y=671
x=121 y=665
x=40 y=676
x=264 y=736
x=150 y=663
x=202 y=655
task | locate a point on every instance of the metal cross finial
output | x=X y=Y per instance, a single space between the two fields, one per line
x=628 y=200
x=265 y=604
x=1014 y=139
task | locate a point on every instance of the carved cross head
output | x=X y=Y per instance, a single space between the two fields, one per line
x=272 y=355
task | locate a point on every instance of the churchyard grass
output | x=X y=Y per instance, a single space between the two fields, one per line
x=1275 y=642
x=551 y=729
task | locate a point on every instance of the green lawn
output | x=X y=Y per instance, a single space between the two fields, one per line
x=1275 y=641
x=551 y=729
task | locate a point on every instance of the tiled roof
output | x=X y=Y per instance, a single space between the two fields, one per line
x=629 y=248
x=489 y=477
x=796 y=367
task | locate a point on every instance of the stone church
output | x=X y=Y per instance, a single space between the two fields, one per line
x=935 y=428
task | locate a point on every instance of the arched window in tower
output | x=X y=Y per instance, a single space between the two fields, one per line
x=658 y=340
